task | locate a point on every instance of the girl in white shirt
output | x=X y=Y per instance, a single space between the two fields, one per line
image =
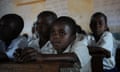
x=102 y=40
x=64 y=40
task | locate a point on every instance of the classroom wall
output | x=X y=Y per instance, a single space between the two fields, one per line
x=28 y=12
x=80 y=10
x=111 y=8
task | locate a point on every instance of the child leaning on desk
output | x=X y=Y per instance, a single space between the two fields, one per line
x=65 y=46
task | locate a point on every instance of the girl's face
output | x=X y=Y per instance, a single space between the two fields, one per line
x=60 y=36
x=98 y=25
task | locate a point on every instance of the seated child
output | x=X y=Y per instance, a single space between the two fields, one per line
x=66 y=47
x=11 y=26
x=42 y=28
x=43 y=25
x=102 y=40
x=64 y=40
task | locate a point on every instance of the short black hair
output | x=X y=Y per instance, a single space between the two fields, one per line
x=67 y=21
x=49 y=14
x=101 y=15
x=14 y=18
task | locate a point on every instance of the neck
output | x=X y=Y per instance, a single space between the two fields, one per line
x=43 y=41
x=97 y=37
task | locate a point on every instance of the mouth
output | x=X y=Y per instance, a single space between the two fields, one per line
x=56 y=43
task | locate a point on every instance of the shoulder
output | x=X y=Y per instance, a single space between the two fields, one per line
x=19 y=39
x=78 y=45
x=107 y=33
x=34 y=43
x=80 y=37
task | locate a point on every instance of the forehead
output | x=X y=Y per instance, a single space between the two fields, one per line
x=44 y=19
x=61 y=26
x=99 y=18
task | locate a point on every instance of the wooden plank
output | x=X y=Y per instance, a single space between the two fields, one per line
x=31 y=2
x=20 y=68
x=34 y=67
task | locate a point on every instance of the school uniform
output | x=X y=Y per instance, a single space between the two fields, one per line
x=107 y=42
x=81 y=52
x=19 y=42
x=45 y=49
x=77 y=47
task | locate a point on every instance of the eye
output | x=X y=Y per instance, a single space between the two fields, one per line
x=52 y=32
x=62 y=33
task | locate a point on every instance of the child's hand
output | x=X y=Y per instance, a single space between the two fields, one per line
x=26 y=54
x=17 y=54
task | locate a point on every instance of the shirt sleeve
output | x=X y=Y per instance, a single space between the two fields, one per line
x=106 y=41
x=17 y=43
x=82 y=53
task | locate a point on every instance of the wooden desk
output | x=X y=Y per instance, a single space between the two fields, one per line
x=97 y=59
x=118 y=59
x=34 y=67
x=97 y=63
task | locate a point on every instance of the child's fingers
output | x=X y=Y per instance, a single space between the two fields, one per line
x=17 y=53
x=28 y=51
x=30 y=57
x=29 y=54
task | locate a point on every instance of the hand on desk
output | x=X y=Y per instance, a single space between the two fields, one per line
x=30 y=54
x=25 y=54
x=99 y=51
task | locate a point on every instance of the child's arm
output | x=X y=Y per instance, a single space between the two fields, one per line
x=30 y=54
x=57 y=57
x=3 y=57
x=106 y=43
x=99 y=51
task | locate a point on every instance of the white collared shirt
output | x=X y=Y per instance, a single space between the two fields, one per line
x=45 y=49
x=107 y=42
x=81 y=52
x=19 y=42
x=77 y=47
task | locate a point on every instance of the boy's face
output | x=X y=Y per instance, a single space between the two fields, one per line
x=7 y=30
x=98 y=25
x=43 y=26
x=60 y=36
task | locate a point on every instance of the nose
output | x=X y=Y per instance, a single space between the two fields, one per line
x=56 y=35
x=98 y=24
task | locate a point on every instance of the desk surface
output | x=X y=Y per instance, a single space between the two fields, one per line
x=34 y=67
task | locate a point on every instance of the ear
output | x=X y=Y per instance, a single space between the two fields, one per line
x=73 y=37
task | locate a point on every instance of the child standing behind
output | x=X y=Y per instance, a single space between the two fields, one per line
x=101 y=39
